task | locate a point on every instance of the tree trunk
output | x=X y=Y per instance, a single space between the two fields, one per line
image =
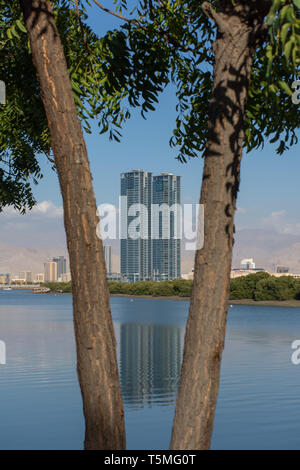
x=95 y=340
x=238 y=28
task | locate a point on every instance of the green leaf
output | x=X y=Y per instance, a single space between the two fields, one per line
x=297 y=3
x=288 y=49
x=21 y=26
x=76 y=88
x=284 y=86
x=284 y=31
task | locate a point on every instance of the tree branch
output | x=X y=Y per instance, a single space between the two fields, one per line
x=260 y=32
x=216 y=17
x=169 y=38
x=113 y=13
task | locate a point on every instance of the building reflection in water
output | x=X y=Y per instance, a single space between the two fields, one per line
x=149 y=359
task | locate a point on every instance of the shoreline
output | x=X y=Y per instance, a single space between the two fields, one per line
x=250 y=302
x=156 y=297
x=270 y=303
x=266 y=303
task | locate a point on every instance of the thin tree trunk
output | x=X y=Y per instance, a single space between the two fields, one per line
x=206 y=325
x=95 y=340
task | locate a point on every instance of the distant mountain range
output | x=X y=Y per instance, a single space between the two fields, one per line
x=14 y=259
x=267 y=247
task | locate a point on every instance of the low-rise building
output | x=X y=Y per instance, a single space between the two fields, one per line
x=66 y=277
x=282 y=269
x=247 y=263
x=5 y=279
x=188 y=276
x=40 y=278
x=118 y=277
x=26 y=276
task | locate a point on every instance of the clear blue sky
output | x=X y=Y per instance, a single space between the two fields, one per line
x=269 y=191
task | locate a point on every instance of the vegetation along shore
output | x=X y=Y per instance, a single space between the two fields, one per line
x=255 y=289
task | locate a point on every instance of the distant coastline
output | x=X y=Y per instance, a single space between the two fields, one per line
x=266 y=303
x=260 y=289
x=263 y=303
x=250 y=302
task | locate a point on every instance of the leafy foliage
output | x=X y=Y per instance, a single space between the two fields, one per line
x=271 y=112
x=263 y=286
x=22 y=121
x=60 y=287
x=160 y=42
x=258 y=286
x=189 y=37
x=180 y=33
x=178 y=287
x=103 y=72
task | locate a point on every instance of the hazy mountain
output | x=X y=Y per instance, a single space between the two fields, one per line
x=267 y=247
x=14 y=259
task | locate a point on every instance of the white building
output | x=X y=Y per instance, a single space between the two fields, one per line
x=247 y=263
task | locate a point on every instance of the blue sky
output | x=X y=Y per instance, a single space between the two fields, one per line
x=269 y=191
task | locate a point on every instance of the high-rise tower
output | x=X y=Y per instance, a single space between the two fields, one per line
x=135 y=217
x=61 y=265
x=166 y=226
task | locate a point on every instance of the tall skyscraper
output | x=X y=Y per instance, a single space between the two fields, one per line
x=61 y=265
x=136 y=248
x=166 y=224
x=150 y=224
x=50 y=273
x=107 y=257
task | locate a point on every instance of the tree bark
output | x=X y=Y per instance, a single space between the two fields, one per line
x=95 y=340
x=238 y=29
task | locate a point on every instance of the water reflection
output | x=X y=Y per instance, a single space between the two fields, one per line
x=149 y=359
x=40 y=401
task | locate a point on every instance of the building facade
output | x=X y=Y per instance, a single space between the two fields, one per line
x=136 y=247
x=50 y=271
x=4 y=278
x=166 y=225
x=66 y=277
x=61 y=265
x=282 y=269
x=26 y=276
x=40 y=277
x=247 y=263
x=150 y=222
x=108 y=259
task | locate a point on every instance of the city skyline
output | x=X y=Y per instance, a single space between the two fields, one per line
x=55 y=270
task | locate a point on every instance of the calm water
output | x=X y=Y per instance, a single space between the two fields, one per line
x=40 y=402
